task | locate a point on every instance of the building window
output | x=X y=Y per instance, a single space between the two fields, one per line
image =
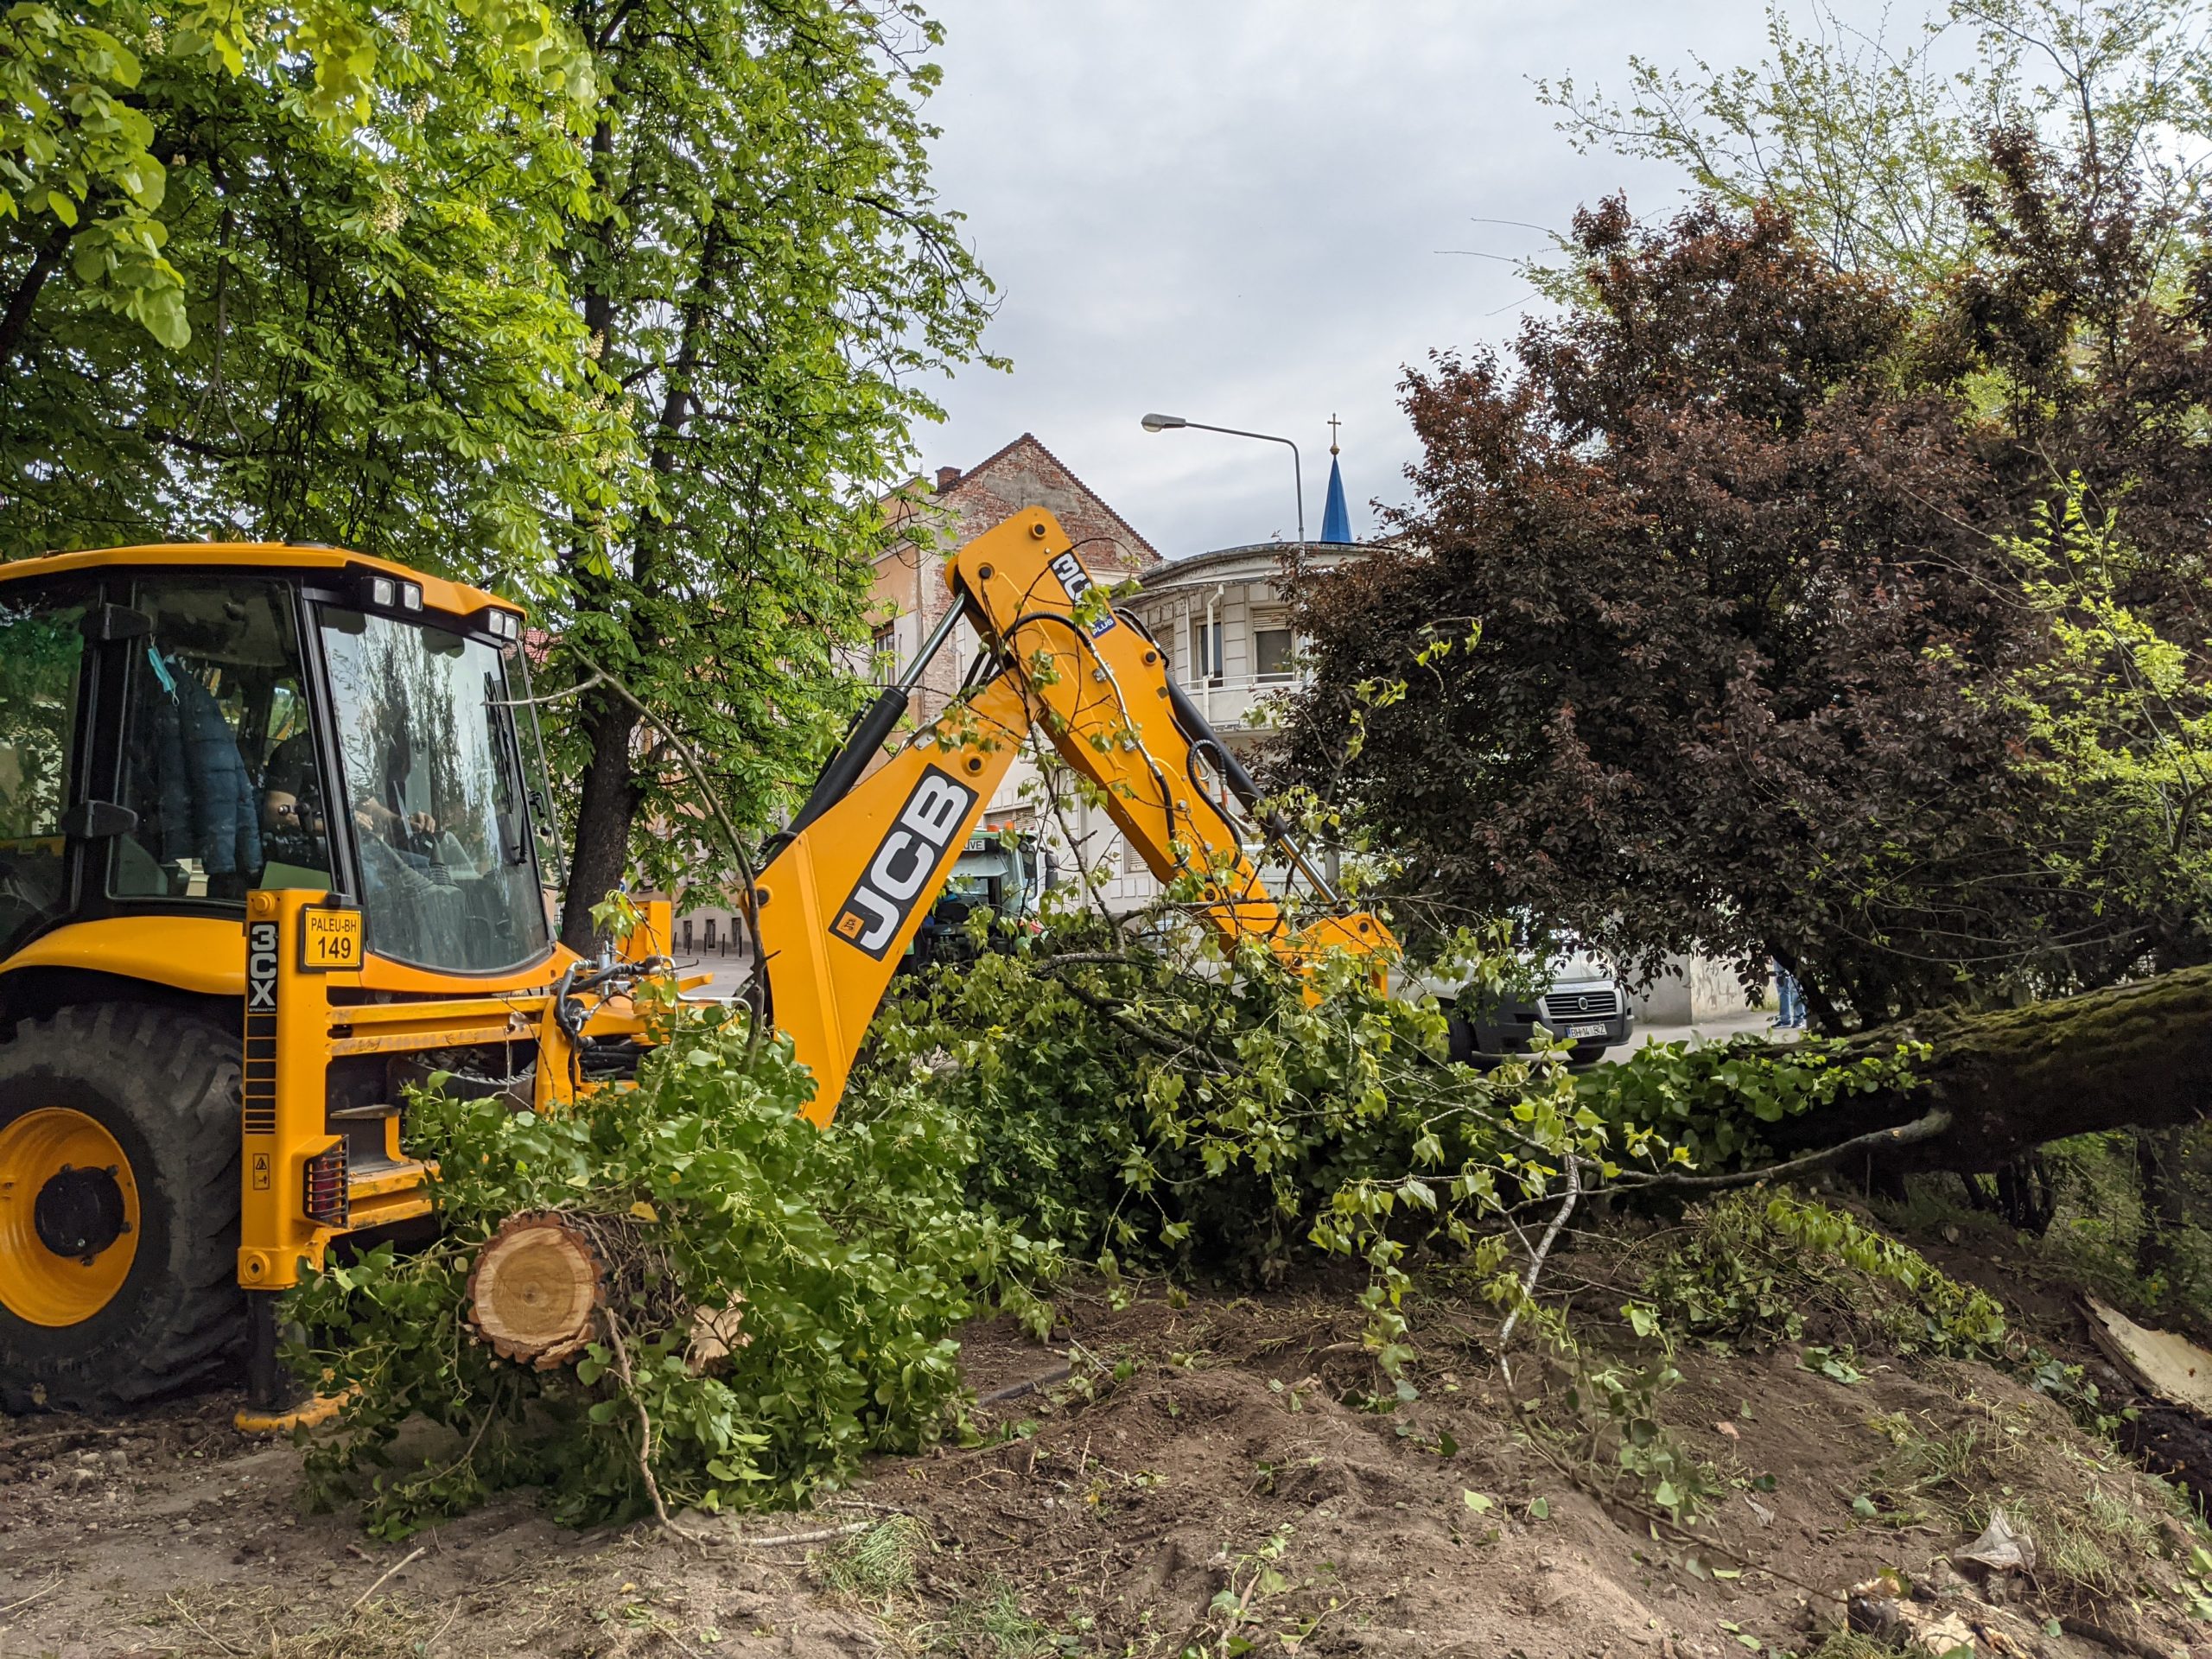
x=710 y=932
x=686 y=936
x=1205 y=652
x=1272 y=650
x=883 y=651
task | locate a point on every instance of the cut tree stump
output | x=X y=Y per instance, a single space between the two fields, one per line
x=534 y=1294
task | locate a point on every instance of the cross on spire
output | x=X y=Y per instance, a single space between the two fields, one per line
x=1336 y=518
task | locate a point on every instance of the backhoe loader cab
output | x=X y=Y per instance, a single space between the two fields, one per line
x=241 y=787
x=1001 y=875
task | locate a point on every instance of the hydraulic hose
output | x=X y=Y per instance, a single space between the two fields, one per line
x=1204 y=740
x=872 y=730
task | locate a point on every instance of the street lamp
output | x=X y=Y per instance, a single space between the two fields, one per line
x=1168 y=422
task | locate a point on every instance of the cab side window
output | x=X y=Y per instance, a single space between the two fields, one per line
x=217 y=761
x=41 y=656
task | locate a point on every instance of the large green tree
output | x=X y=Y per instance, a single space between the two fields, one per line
x=766 y=279
x=625 y=305
x=286 y=272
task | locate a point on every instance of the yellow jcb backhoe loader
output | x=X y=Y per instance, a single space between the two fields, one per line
x=271 y=849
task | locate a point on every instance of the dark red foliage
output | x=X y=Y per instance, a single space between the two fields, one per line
x=1728 y=529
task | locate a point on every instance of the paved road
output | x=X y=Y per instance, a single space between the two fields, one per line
x=1735 y=1023
x=728 y=974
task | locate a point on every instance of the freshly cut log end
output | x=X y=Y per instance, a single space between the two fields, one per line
x=534 y=1294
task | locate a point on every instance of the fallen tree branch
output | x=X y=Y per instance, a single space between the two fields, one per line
x=30 y=1444
x=1095 y=958
x=1927 y=1127
x=404 y=1560
x=2118 y=1641
x=44 y=1589
x=1536 y=1261
x=2138 y=1055
x=1019 y=1388
x=612 y=1324
x=185 y=1613
x=1166 y=1042
x=822 y=1536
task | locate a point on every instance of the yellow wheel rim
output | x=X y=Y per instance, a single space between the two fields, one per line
x=68 y=1216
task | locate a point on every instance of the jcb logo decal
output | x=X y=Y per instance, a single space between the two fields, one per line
x=1074 y=581
x=261 y=967
x=928 y=825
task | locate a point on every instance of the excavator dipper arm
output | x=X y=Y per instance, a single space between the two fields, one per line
x=864 y=861
x=844 y=898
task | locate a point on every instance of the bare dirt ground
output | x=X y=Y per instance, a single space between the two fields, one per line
x=1249 y=1479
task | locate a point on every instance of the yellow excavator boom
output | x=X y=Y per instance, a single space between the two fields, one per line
x=844 y=895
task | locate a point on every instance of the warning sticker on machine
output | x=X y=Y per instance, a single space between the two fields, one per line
x=261 y=1172
x=329 y=939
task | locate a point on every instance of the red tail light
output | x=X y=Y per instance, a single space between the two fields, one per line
x=324 y=1183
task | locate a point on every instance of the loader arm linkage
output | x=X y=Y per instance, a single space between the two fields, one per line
x=846 y=892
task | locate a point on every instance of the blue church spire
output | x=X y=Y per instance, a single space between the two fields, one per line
x=1336 y=517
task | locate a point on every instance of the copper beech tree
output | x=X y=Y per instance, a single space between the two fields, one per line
x=1754 y=608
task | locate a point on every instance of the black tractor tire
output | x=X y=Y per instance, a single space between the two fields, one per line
x=165 y=1085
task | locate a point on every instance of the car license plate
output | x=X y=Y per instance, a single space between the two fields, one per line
x=1586 y=1031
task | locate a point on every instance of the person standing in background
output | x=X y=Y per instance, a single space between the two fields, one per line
x=1792 y=1016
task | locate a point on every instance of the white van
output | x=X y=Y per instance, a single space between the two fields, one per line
x=1583 y=1001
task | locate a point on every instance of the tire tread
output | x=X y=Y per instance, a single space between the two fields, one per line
x=176 y=1077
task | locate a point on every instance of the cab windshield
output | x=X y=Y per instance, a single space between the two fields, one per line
x=426 y=750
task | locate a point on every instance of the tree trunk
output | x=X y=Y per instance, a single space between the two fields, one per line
x=2158 y=1190
x=2136 y=1056
x=605 y=814
x=535 y=1290
x=15 y=318
x=608 y=810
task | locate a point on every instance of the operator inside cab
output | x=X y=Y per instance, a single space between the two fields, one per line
x=433 y=794
x=294 y=836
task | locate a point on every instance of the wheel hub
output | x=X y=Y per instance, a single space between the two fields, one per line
x=78 y=1212
x=68 y=1216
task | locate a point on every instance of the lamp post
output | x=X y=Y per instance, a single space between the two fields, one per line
x=1167 y=422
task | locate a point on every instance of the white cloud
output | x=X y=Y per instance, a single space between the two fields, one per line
x=1230 y=210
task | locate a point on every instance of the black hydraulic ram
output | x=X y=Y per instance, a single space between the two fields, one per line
x=873 y=730
x=1207 y=743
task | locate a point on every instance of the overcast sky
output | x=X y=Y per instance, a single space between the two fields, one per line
x=1232 y=210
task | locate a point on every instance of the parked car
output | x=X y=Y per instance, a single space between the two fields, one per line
x=1582 y=1001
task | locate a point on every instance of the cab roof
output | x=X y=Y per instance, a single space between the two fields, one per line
x=454 y=598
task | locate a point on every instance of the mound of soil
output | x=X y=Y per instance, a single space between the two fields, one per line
x=1188 y=1475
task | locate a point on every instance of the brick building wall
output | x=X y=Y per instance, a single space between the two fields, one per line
x=941 y=516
